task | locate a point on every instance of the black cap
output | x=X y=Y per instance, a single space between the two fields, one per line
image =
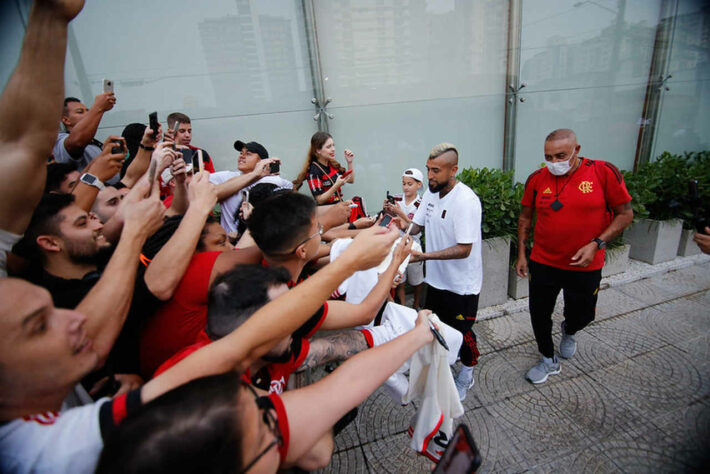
x=253 y=147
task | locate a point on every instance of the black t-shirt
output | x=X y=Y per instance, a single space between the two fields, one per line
x=68 y=293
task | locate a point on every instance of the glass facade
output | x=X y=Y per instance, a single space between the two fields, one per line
x=392 y=78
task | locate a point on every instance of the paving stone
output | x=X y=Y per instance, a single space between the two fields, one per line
x=506 y=331
x=702 y=298
x=496 y=448
x=348 y=438
x=626 y=335
x=592 y=351
x=538 y=429
x=612 y=302
x=672 y=322
x=351 y=461
x=698 y=347
x=646 y=450
x=590 y=459
x=654 y=383
x=683 y=281
x=393 y=455
x=686 y=311
x=699 y=274
x=648 y=291
x=688 y=429
x=380 y=417
x=593 y=407
x=497 y=379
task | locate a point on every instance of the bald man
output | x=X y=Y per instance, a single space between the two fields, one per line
x=450 y=213
x=581 y=204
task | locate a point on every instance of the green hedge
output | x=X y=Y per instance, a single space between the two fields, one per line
x=500 y=199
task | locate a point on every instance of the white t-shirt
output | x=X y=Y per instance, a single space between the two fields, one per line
x=411 y=209
x=7 y=241
x=231 y=205
x=455 y=219
x=66 y=442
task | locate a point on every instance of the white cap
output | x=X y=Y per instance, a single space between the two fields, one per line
x=414 y=174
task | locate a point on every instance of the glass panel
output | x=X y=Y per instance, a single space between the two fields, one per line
x=13 y=17
x=684 y=119
x=215 y=61
x=405 y=75
x=586 y=65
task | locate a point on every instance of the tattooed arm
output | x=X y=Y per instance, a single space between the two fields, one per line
x=334 y=347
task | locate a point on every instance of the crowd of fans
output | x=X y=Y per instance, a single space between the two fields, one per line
x=155 y=309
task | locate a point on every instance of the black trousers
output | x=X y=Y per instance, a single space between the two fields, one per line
x=459 y=312
x=579 y=290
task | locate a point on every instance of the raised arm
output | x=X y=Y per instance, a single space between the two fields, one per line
x=168 y=267
x=236 y=184
x=314 y=409
x=84 y=131
x=103 y=167
x=346 y=315
x=107 y=304
x=268 y=326
x=139 y=164
x=30 y=109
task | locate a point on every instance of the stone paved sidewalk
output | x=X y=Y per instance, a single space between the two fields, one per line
x=635 y=398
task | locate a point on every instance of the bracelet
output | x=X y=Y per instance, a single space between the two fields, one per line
x=146 y=148
x=352 y=226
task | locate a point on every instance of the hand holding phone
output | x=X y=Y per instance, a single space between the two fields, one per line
x=347 y=173
x=275 y=167
x=154 y=124
x=386 y=220
x=108 y=85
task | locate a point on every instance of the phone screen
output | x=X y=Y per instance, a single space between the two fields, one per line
x=461 y=455
x=274 y=167
x=386 y=220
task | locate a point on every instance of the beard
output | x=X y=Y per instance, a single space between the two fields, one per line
x=438 y=187
x=88 y=253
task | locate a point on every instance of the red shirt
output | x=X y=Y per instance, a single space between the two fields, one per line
x=587 y=197
x=178 y=322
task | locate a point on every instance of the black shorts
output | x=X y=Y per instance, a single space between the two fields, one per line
x=458 y=311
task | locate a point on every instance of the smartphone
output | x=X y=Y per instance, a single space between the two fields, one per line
x=347 y=173
x=154 y=124
x=246 y=196
x=386 y=220
x=409 y=229
x=108 y=85
x=118 y=148
x=274 y=167
x=461 y=455
x=175 y=130
x=390 y=198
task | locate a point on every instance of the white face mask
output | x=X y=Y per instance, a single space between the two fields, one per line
x=560 y=168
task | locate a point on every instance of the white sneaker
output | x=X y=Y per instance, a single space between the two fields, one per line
x=463 y=383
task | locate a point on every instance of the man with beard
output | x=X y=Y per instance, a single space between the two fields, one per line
x=74 y=258
x=451 y=214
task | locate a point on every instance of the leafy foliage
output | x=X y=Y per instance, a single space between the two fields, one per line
x=500 y=199
x=659 y=189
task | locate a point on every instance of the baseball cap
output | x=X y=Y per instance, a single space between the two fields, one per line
x=253 y=147
x=414 y=174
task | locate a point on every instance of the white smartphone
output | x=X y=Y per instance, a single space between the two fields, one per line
x=108 y=85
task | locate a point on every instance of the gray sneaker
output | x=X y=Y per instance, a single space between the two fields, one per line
x=463 y=384
x=543 y=369
x=568 y=344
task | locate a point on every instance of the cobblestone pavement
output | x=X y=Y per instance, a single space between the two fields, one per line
x=635 y=397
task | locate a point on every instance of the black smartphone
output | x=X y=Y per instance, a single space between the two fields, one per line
x=190 y=156
x=390 y=198
x=274 y=167
x=386 y=219
x=461 y=455
x=154 y=124
x=118 y=148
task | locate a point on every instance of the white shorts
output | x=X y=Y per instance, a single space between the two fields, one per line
x=414 y=274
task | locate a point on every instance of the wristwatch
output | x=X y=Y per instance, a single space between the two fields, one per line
x=92 y=180
x=600 y=243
